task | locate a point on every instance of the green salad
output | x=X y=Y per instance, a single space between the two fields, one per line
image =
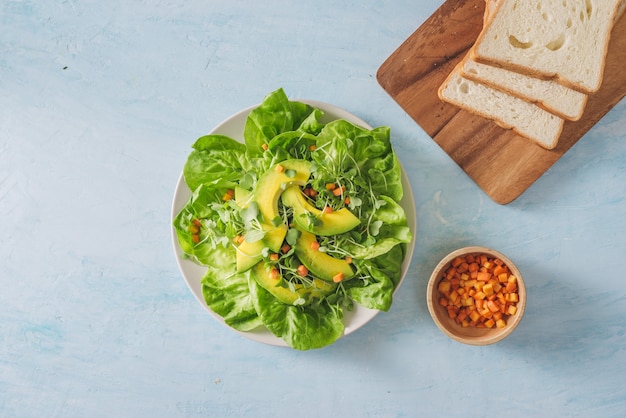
x=295 y=224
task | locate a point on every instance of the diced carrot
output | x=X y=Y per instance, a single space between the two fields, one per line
x=197 y=222
x=475 y=316
x=444 y=287
x=348 y=259
x=302 y=270
x=493 y=306
x=274 y=257
x=453 y=296
x=285 y=248
x=478 y=291
x=511 y=287
x=339 y=191
x=501 y=298
x=338 y=277
x=265 y=147
x=498 y=270
x=195 y=238
x=330 y=186
x=312 y=147
x=274 y=273
x=328 y=209
x=315 y=245
x=279 y=168
x=461 y=316
x=488 y=289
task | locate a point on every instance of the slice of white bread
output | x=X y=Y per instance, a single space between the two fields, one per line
x=510 y=112
x=547 y=94
x=562 y=39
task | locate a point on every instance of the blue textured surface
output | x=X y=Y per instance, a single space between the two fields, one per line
x=100 y=103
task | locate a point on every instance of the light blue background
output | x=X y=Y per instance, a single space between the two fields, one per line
x=99 y=104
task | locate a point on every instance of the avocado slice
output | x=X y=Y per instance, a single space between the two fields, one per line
x=249 y=253
x=320 y=264
x=266 y=194
x=318 y=289
x=273 y=182
x=331 y=223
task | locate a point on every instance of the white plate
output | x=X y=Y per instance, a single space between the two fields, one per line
x=193 y=273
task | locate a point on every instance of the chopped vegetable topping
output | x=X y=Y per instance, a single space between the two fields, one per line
x=478 y=291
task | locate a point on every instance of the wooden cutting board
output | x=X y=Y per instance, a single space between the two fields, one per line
x=502 y=163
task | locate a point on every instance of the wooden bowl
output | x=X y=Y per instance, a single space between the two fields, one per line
x=471 y=334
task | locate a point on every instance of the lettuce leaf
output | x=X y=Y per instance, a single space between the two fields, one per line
x=384 y=274
x=216 y=160
x=205 y=204
x=350 y=148
x=274 y=116
x=226 y=292
x=302 y=328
